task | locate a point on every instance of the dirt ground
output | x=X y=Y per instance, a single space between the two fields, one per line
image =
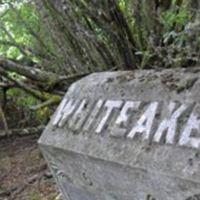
x=24 y=174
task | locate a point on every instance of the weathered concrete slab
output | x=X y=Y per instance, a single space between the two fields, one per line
x=128 y=136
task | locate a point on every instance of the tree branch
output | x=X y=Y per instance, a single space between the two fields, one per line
x=43 y=96
x=48 y=78
x=22 y=132
x=30 y=72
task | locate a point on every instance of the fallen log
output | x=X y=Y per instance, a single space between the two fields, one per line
x=21 y=132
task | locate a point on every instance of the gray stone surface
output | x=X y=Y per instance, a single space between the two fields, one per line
x=128 y=136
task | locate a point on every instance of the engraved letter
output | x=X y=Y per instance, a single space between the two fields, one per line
x=93 y=115
x=186 y=138
x=123 y=118
x=67 y=111
x=169 y=124
x=110 y=105
x=79 y=116
x=59 y=112
x=144 y=124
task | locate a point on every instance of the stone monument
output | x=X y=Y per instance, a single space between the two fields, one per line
x=131 y=135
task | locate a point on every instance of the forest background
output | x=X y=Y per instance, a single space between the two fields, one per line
x=46 y=45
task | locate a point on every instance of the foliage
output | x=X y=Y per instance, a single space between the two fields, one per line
x=15 y=31
x=17 y=21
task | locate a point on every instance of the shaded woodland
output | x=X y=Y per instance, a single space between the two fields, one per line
x=45 y=45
